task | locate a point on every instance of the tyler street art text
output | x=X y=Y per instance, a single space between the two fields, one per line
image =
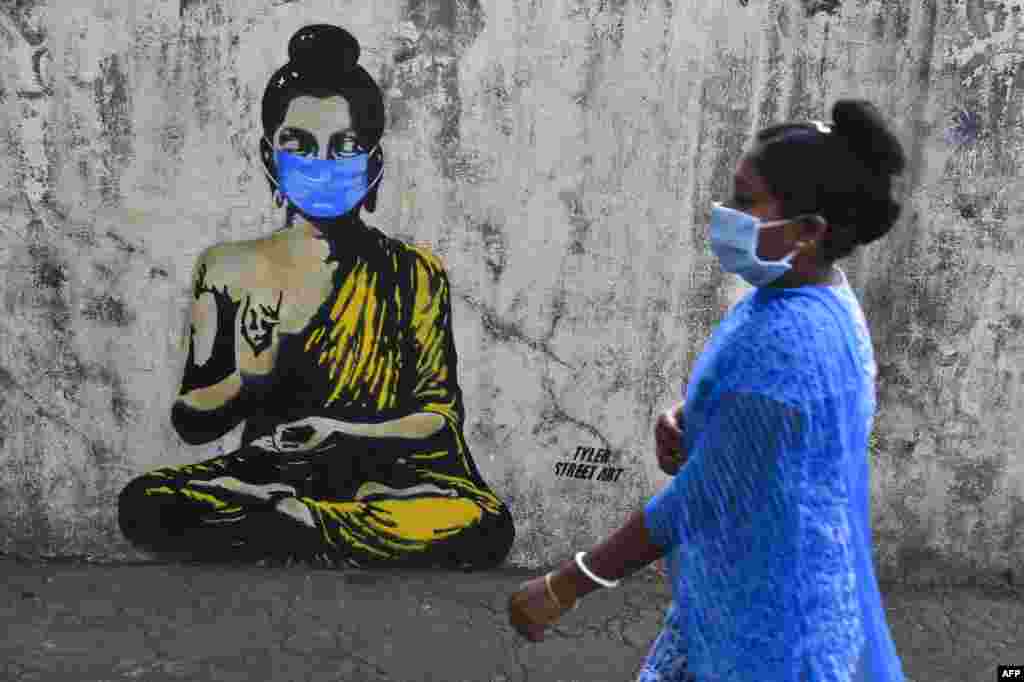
x=585 y=465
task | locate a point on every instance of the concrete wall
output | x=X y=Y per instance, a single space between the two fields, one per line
x=560 y=157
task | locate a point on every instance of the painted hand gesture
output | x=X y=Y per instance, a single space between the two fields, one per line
x=304 y=435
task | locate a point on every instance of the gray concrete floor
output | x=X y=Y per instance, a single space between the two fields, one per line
x=200 y=623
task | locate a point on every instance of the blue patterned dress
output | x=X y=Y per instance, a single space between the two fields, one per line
x=768 y=522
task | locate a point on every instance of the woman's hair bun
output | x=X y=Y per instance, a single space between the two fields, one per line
x=879 y=222
x=860 y=123
x=324 y=45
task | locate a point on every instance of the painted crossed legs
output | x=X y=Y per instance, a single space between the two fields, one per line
x=240 y=506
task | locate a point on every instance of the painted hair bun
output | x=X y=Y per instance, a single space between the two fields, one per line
x=324 y=44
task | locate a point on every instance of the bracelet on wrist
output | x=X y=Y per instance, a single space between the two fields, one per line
x=554 y=595
x=587 y=572
x=551 y=592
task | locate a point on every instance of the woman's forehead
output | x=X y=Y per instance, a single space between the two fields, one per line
x=318 y=113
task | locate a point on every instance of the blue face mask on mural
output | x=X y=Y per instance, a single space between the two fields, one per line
x=324 y=188
x=734 y=241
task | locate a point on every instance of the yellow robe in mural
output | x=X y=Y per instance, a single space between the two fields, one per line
x=379 y=348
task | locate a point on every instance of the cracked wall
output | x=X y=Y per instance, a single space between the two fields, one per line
x=560 y=158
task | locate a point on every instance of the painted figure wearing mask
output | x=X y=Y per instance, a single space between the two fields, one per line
x=333 y=342
x=325 y=188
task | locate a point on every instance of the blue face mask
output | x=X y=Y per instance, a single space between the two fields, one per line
x=324 y=188
x=734 y=241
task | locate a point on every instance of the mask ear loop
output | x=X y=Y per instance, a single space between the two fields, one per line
x=376 y=147
x=380 y=173
x=277 y=185
x=813 y=216
x=788 y=258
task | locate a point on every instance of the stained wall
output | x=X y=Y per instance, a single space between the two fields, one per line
x=560 y=157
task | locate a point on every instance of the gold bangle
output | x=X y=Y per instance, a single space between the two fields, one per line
x=551 y=592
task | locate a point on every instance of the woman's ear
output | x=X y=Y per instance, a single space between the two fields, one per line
x=813 y=226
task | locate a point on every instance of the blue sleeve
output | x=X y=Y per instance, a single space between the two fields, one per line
x=660 y=515
x=734 y=473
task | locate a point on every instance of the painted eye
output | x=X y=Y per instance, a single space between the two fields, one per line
x=297 y=142
x=345 y=144
x=344 y=147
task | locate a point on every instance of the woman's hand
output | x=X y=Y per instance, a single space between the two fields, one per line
x=531 y=610
x=667 y=434
x=305 y=435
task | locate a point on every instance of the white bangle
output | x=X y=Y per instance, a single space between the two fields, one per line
x=586 y=571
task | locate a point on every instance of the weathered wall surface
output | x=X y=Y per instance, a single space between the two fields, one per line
x=560 y=157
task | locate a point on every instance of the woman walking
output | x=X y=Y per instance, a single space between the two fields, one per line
x=767 y=525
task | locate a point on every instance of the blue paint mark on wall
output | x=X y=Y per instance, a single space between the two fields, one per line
x=965 y=129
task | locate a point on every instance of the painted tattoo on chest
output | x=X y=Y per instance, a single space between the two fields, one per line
x=258 y=323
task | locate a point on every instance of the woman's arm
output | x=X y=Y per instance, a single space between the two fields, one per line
x=762 y=429
x=625 y=552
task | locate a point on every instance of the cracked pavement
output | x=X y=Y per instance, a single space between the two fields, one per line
x=163 y=622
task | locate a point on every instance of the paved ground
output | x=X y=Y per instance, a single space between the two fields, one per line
x=174 y=622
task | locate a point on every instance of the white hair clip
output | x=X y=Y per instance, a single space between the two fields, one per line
x=823 y=128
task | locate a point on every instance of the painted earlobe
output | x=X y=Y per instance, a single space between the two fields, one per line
x=370 y=205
